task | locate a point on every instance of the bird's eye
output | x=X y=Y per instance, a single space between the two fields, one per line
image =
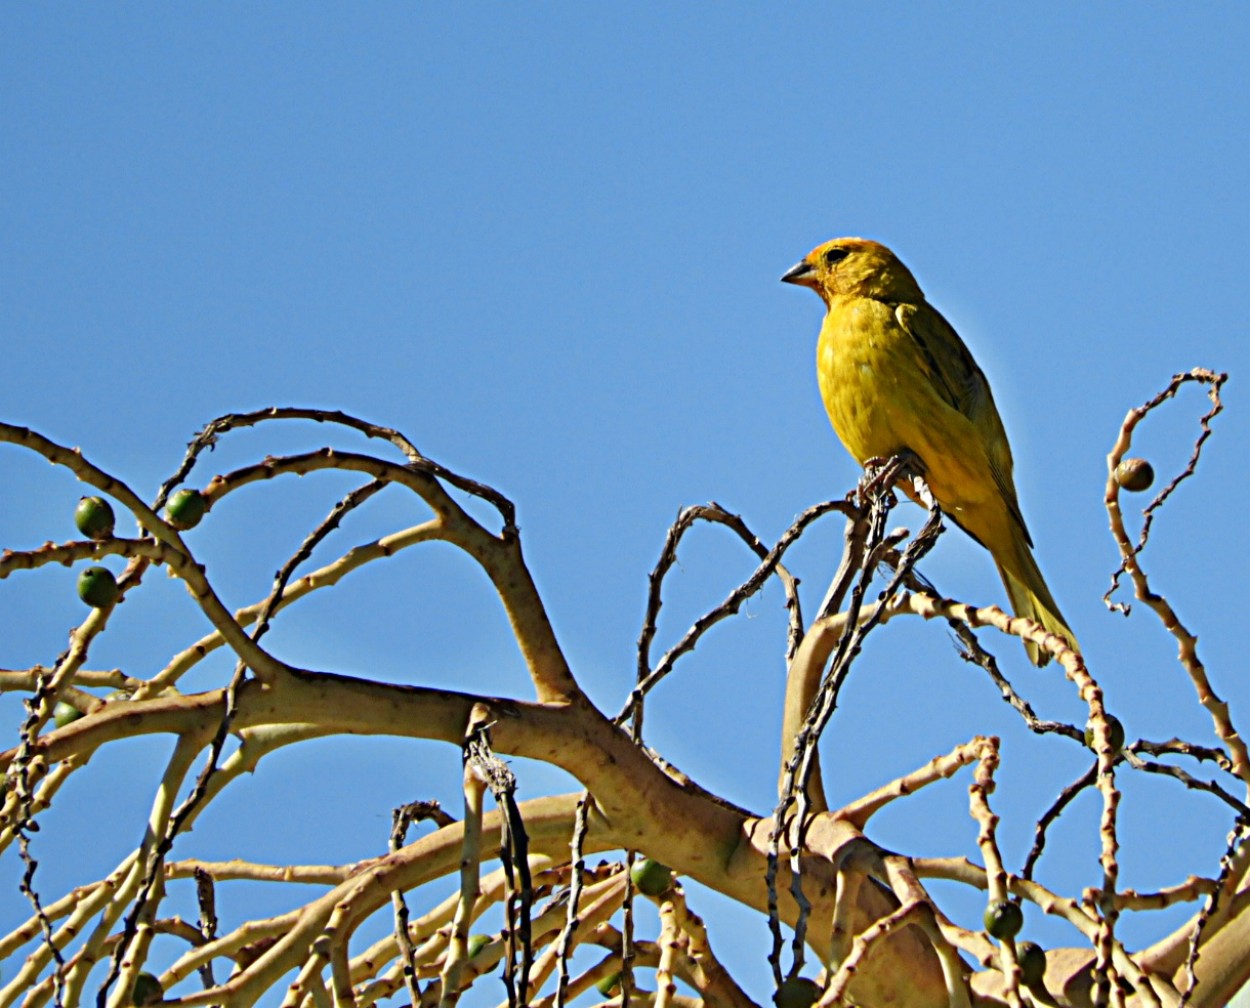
x=836 y=255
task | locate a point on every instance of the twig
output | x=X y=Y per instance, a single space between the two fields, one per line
x=770 y=562
x=1130 y=562
x=995 y=874
x=212 y=432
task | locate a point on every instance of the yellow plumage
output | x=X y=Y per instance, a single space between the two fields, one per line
x=895 y=376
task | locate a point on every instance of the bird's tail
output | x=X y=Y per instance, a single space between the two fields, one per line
x=1031 y=599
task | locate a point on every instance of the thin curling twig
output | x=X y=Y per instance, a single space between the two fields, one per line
x=27 y=887
x=1122 y=444
x=971 y=651
x=332 y=521
x=1130 y=554
x=770 y=563
x=1061 y=802
x=1191 y=782
x=75 y=911
x=214 y=429
x=1130 y=558
x=1130 y=755
x=855 y=629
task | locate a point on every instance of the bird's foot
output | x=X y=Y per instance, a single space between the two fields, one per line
x=881 y=473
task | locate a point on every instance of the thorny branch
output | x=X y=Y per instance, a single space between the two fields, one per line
x=864 y=912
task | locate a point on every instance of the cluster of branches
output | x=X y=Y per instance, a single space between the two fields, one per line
x=863 y=913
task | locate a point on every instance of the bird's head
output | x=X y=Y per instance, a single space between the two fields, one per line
x=854 y=267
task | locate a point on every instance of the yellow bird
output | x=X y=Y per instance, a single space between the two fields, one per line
x=895 y=376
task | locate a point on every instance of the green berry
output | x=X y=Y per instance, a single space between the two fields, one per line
x=797 y=992
x=1004 y=919
x=147 y=990
x=1032 y=959
x=606 y=985
x=477 y=942
x=185 y=509
x=1135 y=474
x=64 y=713
x=94 y=518
x=650 y=877
x=97 y=587
x=1116 y=729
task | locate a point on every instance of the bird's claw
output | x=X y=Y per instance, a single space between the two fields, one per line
x=883 y=472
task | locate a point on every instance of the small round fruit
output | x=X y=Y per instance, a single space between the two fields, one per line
x=97 y=587
x=65 y=713
x=797 y=992
x=94 y=518
x=1004 y=919
x=606 y=985
x=1032 y=959
x=185 y=509
x=1116 y=729
x=650 y=877
x=147 y=990
x=477 y=942
x=1135 y=474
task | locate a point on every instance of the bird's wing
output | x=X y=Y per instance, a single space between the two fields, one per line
x=962 y=386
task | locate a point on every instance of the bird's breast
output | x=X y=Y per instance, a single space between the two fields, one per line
x=859 y=363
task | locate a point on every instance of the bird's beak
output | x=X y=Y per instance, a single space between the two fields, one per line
x=800 y=273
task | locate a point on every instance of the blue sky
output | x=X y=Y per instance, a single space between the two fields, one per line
x=544 y=242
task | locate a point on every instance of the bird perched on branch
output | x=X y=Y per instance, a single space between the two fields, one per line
x=896 y=377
